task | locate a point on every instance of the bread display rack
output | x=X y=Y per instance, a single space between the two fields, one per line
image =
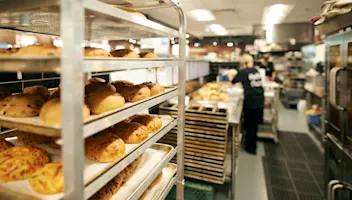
x=75 y=21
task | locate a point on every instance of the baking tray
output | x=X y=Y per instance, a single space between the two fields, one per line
x=204 y=177
x=157 y=152
x=35 y=125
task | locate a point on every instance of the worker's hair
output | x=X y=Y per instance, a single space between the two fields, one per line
x=266 y=59
x=246 y=60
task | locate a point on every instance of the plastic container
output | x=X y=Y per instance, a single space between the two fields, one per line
x=315 y=119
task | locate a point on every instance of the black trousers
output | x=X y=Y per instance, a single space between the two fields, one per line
x=252 y=118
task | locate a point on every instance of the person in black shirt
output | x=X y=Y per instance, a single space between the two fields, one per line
x=253 y=101
x=269 y=68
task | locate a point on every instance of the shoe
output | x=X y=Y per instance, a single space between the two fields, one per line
x=250 y=151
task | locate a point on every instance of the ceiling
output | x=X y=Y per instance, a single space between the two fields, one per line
x=237 y=16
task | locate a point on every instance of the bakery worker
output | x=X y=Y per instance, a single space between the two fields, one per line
x=253 y=101
x=269 y=68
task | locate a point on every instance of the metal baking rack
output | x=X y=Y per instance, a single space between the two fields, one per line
x=74 y=21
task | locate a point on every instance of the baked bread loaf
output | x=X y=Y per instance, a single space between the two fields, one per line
x=103 y=101
x=124 y=53
x=152 y=123
x=95 y=52
x=157 y=180
x=119 y=85
x=95 y=80
x=155 y=88
x=131 y=168
x=105 y=147
x=106 y=192
x=38 y=90
x=147 y=55
x=98 y=87
x=20 y=162
x=48 y=179
x=38 y=50
x=30 y=138
x=131 y=11
x=4 y=92
x=22 y=105
x=4 y=145
x=130 y=133
x=135 y=93
x=51 y=112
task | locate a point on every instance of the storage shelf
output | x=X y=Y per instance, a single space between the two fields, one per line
x=98 y=183
x=168 y=188
x=52 y=64
x=102 y=21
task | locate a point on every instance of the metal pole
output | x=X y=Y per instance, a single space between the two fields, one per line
x=234 y=160
x=72 y=32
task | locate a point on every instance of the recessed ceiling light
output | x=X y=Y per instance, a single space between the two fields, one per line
x=187 y=41
x=215 y=43
x=196 y=44
x=276 y=13
x=217 y=29
x=201 y=15
x=187 y=36
x=229 y=44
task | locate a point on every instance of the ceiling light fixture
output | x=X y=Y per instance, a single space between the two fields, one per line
x=197 y=44
x=187 y=41
x=276 y=13
x=215 y=43
x=187 y=35
x=201 y=15
x=229 y=44
x=217 y=29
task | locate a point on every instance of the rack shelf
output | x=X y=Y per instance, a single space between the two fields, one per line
x=168 y=188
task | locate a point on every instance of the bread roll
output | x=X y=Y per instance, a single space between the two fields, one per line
x=48 y=179
x=103 y=101
x=98 y=87
x=22 y=105
x=157 y=180
x=147 y=55
x=131 y=133
x=4 y=145
x=95 y=52
x=105 y=147
x=155 y=88
x=95 y=80
x=124 y=53
x=20 y=162
x=4 y=92
x=38 y=90
x=135 y=93
x=38 y=50
x=51 y=112
x=119 y=85
x=30 y=138
x=152 y=123
x=131 y=11
x=55 y=94
x=106 y=192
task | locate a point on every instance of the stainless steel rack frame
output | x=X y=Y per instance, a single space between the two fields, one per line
x=74 y=21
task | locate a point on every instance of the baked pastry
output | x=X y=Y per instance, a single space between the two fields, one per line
x=20 y=162
x=131 y=11
x=51 y=112
x=98 y=87
x=152 y=123
x=55 y=94
x=106 y=192
x=22 y=105
x=95 y=80
x=147 y=55
x=119 y=85
x=4 y=145
x=95 y=52
x=39 y=50
x=30 y=138
x=38 y=90
x=135 y=93
x=130 y=133
x=124 y=53
x=103 y=101
x=105 y=147
x=4 y=92
x=155 y=88
x=48 y=179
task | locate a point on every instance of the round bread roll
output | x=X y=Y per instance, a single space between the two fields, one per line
x=152 y=123
x=124 y=53
x=20 y=162
x=103 y=101
x=38 y=50
x=98 y=87
x=48 y=179
x=147 y=55
x=105 y=147
x=131 y=11
x=51 y=112
x=38 y=90
x=4 y=145
x=4 y=92
x=106 y=192
x=22 y=105
x=95 y=52
x=30 y=138
x=119 y=85
x=135 y=93
x=155 y=88
x=131 y=133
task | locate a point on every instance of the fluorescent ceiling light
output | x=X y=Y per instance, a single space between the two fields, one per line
x=229 y=44
x=196 y=44
x=217 y=29
x=201 y=15
x=215 y=43
x=276 y=13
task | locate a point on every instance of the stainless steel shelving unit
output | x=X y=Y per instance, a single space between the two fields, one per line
x=75 y=21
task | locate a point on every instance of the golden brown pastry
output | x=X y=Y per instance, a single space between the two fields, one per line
x=51 y=112
x=38 y=90
x=20 y=162
x=135 y=93
x=152 y=123
x=119 y=85
x=22 y=105
x=147 y=55
x=48 y=179
x=98 y=87
x=131 y=133
x=38 y=50
x=155 y=182
x=30 y=138
x=106 y=192
x=131 y=11
x=4 y=92
x=155 y=88
x=4 y=145
x=95 y=52
x=124 y=53
x=103 y=101
x=95 y=80
x=105 y=147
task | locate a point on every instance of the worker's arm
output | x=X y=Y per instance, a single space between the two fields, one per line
x=238 y=78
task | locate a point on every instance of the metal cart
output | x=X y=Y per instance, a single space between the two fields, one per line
x=75 y=21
